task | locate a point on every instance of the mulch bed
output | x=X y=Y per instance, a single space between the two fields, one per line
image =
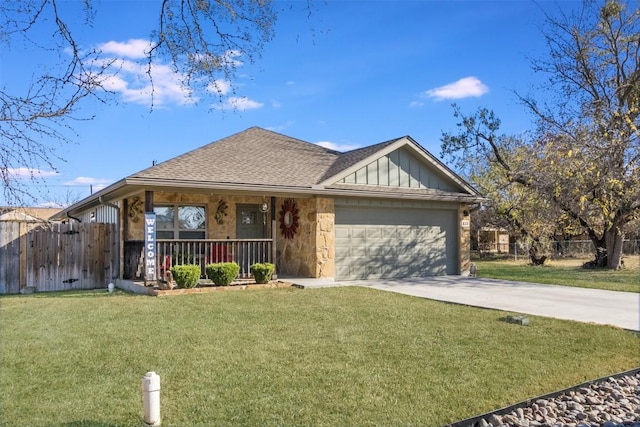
x=205 y=288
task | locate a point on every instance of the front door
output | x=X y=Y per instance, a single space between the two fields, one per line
x=250 y=224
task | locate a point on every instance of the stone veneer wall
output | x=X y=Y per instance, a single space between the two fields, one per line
x=311 y=251
x=465 y=240
x=226 y=230
x=309 y=254
x=325 y=238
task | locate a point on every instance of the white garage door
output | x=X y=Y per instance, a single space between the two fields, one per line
x=382 y=242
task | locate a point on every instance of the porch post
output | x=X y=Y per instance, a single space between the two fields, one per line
x=273 y=231
x=150 y=257
x=148 y=201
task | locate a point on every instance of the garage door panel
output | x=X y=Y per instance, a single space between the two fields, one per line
x=374 y=233
x=359 y=233
x=343 y=233
x=393 y=242
x=388 y=233
x=375 y=252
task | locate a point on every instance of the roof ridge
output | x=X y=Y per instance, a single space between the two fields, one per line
x=254 y=155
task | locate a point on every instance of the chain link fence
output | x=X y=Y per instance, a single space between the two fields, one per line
x=570 y=248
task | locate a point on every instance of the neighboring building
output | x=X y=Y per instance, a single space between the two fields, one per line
x=386 y=210
x=493 y=240
x=29 y=214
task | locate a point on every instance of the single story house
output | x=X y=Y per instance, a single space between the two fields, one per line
x=386 y=210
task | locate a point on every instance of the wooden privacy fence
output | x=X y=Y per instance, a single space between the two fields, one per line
x=56 y=257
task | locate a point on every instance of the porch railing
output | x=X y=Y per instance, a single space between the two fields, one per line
x=245 y=252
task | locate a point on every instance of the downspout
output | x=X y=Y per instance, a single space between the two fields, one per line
x=117 y=208
x=273 y=234
x=73 y=217
x=71 y=223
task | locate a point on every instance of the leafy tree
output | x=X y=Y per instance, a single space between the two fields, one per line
x=202 y=40
x=514 y=205
x=584 y=156
x=591 y=131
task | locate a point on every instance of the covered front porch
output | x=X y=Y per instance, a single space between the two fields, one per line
x=295 y=234
x=244 y=252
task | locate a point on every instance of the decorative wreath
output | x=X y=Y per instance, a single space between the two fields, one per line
x=289 y=219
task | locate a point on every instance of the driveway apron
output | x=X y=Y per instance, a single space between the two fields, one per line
x=621 y=309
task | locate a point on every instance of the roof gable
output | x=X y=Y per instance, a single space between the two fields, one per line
x=399 y=163
x=400 y=169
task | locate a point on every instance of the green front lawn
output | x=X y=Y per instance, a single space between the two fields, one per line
x=326 y=357
x=567 y=272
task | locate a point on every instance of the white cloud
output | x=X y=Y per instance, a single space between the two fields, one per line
x=238 y=103
x=56 y=205
x=85 y=180
x=26 y=173
x=219 y=87
x=230 y=58
x=131 y=80
x=463 y=88
x=131 y=77
x=337 y=147
x=132 y=48
x=416 y=104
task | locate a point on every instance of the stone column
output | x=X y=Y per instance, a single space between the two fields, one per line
x=464 y=227
x=325 y=238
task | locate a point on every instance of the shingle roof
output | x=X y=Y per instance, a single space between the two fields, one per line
x=257 y=159
x=254 y=156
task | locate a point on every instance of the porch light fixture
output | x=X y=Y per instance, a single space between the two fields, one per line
x=264 y=207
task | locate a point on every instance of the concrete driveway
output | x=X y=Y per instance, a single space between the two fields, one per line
x=620 y=309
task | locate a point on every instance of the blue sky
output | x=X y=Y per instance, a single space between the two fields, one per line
x=352 y=74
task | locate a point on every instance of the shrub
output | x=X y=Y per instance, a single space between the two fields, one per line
x=186 y=276
x=222 y=273
x=262 y=272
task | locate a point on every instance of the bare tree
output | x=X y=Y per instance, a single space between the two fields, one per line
x=201 y=39
x=589 y=130
x=584 y=156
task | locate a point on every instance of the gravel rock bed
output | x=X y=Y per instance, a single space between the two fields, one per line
x=612 y=402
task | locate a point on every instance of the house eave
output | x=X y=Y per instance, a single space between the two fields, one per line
x=130 y=186
x=108 y=193
x=403 y=195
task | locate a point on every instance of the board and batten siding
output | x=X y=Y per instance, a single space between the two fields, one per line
x=400 y=169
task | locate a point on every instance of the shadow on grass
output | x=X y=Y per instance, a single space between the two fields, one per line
x=84 y=293
x=88 y=423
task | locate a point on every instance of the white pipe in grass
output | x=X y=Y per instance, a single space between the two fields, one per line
x=151 y=399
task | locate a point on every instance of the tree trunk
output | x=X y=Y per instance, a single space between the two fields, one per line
x=613 y=239
x=534 y=254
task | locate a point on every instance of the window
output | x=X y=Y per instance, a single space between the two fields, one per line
x=249 y=217
x=189 y=222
